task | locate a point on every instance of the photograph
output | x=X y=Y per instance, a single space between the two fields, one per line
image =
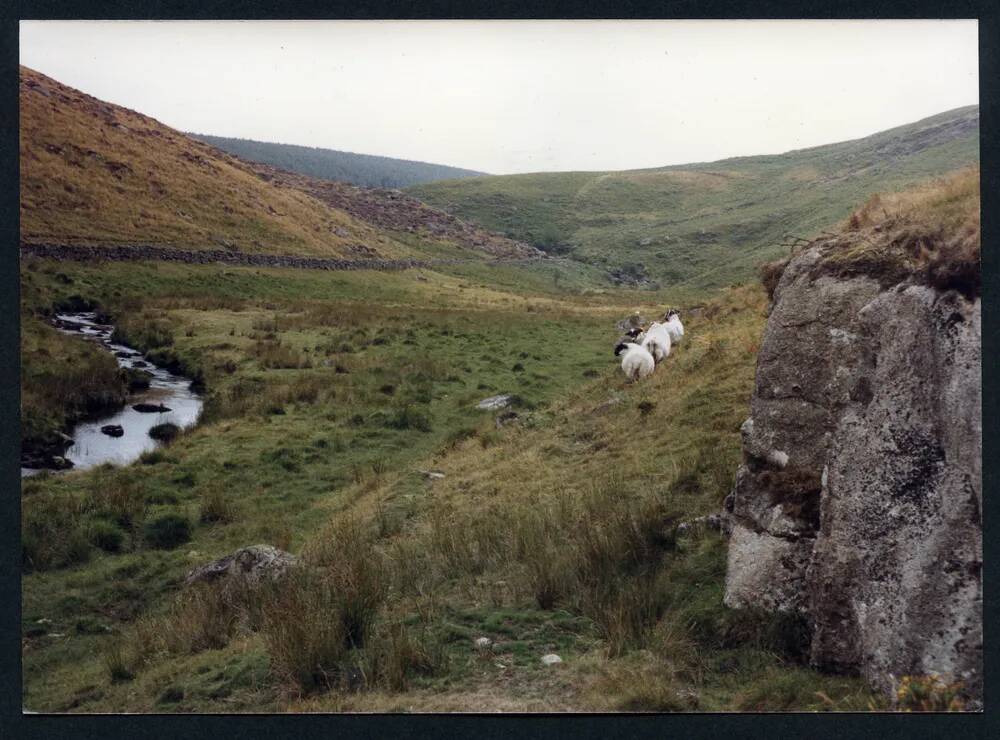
x=498 y=366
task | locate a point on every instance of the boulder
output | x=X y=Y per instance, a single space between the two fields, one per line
x=551 y=659
x=859 y=500
x=251 y=564
x=112 y=430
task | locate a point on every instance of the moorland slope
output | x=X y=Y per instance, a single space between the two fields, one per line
x=97 y=173
x=329 y=164
x=707 y=224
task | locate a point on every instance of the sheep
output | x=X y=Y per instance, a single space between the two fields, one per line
x=637 y=362
x=674 y=325
x=656 y=340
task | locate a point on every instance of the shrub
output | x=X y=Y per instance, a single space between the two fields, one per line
x=107 y=536
x=168 y=531
x=165 y=432
x=142 y=333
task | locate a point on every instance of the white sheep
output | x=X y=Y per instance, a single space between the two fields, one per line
x=656 y=340
x=674 y=326
x=637 y=362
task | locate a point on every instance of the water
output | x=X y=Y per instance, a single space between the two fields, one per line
x=90 y=445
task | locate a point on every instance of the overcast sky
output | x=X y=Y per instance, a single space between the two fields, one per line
x=522 y=96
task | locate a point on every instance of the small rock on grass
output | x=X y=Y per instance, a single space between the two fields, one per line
x=483 y=643
x=495 y=402
x=551 y=659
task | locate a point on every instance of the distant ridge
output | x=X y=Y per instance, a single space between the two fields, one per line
x=329 y=164
x=707 y=224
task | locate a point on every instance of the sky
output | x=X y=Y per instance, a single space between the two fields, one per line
x=522 y=96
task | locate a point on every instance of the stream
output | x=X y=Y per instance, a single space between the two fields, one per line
x=93 y=447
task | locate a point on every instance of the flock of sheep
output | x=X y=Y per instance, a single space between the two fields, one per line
x=643 y=348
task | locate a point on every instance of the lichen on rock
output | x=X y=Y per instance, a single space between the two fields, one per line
x=869 y=522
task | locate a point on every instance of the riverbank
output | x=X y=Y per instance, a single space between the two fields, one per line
x=156 y=396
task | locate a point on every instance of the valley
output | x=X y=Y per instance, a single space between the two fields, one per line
x=343 y=338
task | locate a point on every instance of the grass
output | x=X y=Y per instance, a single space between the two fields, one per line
x=930 y=233
x=62 y=380
x=706 y=225
x=97 y=173
x=553 y=533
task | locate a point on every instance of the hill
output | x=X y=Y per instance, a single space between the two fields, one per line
x=329 y=164
x=707 y=224
x=96 y=173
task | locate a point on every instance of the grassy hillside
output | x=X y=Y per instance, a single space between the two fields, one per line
x=330 y=164
x=92 y=172
x=708 y=224
x=328 y=394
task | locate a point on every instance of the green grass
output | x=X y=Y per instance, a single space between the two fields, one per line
x=552 y=534
x=705 y=225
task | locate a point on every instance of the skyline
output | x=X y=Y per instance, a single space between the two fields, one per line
x=499 y=97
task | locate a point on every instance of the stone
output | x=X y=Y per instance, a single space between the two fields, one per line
x=112 y=430
x=483 y=643
x=551 y=659
x=61 y=463
x=709 y=521
x=632 y=321
x=250 y=564
x=151 y=408
x=859 y=502
x=492 y=403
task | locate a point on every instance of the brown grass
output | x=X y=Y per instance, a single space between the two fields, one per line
x=930 y=233
x=92 y=172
